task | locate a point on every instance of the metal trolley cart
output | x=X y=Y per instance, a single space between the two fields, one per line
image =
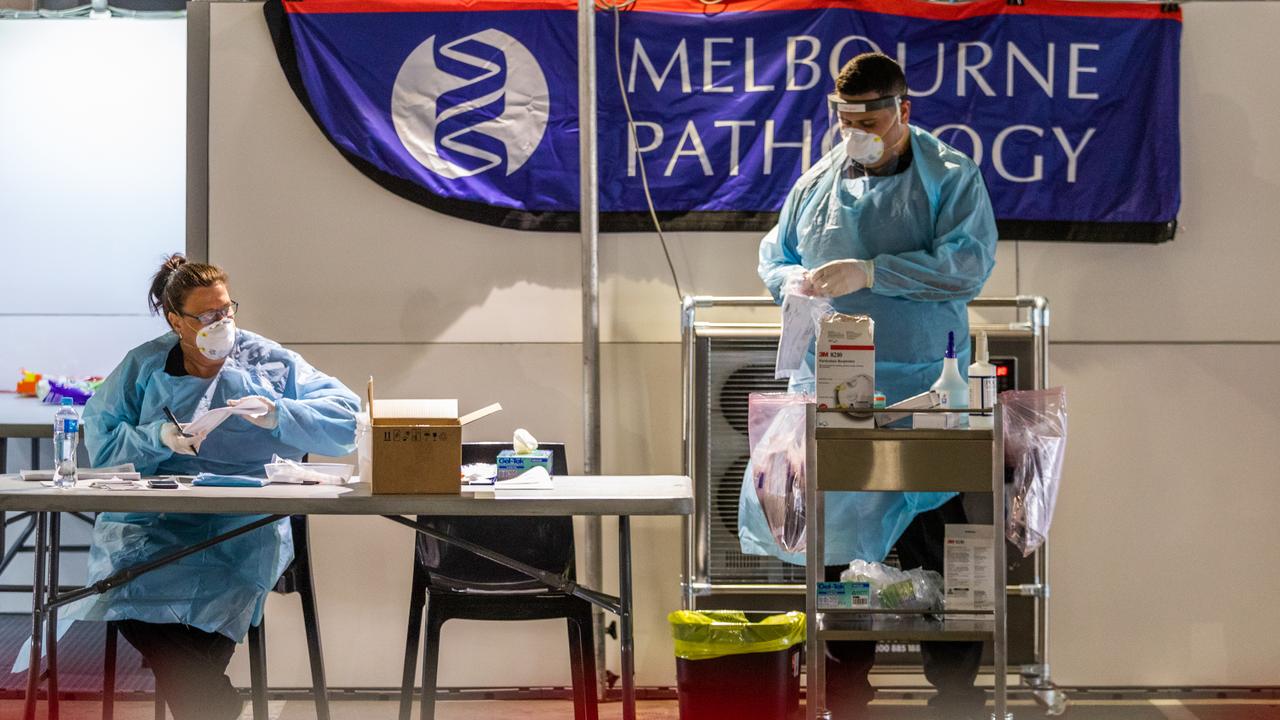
x=878 y=460
x=724 y=361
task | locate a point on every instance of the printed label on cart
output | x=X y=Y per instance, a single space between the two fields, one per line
x=844 y=595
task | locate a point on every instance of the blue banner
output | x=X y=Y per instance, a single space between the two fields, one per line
x=1070 y=109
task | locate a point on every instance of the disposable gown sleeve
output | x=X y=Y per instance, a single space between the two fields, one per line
x=111 y=430
x=319 y=415
x=963 y=252
x=779 y=252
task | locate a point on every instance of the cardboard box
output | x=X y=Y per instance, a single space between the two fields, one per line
x=969 y=570
x=512 y=464
x=846 y=369
x=415 y=446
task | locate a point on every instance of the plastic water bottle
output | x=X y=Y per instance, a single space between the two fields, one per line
x=66 y=439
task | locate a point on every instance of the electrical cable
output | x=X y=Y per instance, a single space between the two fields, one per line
x=635 y=141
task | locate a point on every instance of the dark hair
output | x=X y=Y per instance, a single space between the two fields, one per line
x=176 y=278
x=871 y=73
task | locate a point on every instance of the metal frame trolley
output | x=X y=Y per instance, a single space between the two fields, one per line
x=882 y=460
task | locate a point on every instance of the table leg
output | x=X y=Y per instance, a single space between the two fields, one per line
x=625 y=619
x=4 y=468
x=35 y=453
x=51 y=622
x=37 y=617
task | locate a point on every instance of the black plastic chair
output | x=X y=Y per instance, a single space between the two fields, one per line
x=455 y=584
x=296 y=579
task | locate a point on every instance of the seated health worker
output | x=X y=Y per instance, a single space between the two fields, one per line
x=186 y=618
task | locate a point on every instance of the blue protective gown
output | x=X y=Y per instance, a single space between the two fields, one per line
x=932 y=235
x=221 y=589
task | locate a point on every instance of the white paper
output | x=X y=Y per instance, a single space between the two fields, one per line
x=535 y=478
x=206 y=423
x=969 y=567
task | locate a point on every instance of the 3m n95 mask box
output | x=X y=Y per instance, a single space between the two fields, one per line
x=845 y=369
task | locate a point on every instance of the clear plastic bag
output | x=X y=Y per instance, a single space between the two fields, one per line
x=800 y=317
x=1035 y=443
x=894 y=589
x=776 y=431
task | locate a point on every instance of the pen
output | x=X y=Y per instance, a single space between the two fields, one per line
x=169 y=414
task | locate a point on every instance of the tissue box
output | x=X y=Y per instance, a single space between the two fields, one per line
x=846 y=595
x=846 y=368
x=512 y=464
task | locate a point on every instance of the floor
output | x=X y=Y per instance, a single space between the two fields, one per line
x=668 y=710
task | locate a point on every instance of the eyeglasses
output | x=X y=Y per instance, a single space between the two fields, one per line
x=210 y=317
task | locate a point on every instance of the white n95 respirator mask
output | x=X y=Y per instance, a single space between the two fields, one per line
x=861 y=146
x=216 y=340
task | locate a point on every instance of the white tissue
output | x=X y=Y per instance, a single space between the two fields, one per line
x=523 y=442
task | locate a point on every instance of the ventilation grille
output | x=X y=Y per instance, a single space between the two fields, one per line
x=730 y=370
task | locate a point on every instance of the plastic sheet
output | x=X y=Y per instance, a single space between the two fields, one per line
x=712 y=634
x=776 y=431
x=1035 y=443
x=894 y=589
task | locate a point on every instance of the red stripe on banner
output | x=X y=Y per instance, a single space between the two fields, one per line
x=318 y=7
x=909 y=8
x=923 y=9
x=853 y=347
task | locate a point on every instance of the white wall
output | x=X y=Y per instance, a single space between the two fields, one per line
x=1163 y=512
x=92 y=186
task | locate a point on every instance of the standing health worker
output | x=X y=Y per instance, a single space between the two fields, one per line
x=894 y=224
x=186 y=618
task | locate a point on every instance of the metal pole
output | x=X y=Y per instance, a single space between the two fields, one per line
x=589 y=226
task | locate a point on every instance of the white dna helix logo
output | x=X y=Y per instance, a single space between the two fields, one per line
x=421 y=83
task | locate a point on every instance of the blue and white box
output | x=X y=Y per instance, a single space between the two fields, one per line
x=512 y=464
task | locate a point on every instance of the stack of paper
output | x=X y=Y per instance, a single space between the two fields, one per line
x=533 y=479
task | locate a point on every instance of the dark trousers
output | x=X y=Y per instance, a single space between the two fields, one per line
x=951 y=667
x=190 y=666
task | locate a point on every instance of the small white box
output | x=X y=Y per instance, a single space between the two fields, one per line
x=846 y=368
x=969 y=570
x=935 y=421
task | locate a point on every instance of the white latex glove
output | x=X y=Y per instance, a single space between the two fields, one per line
x=268 y=420
x=797 y=282
x=172 y=437
x=841 y=277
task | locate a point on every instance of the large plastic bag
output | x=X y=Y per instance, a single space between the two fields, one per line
x=894 y=589
x=717 y=633
x=1035 y=442
x=776 y=431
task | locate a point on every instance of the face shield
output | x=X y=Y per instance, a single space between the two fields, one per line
x=858 y=122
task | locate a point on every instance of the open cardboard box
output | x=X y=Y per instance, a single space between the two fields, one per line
x=416 y=445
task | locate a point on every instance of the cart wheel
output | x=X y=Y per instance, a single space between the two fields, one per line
x=1053 y=700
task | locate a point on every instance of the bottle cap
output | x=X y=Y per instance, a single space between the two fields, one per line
x=951 y=345
x=67 y=401
x=983 y=354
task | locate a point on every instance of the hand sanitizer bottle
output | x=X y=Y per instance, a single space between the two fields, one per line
x=952 y=386
x=982 y=385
